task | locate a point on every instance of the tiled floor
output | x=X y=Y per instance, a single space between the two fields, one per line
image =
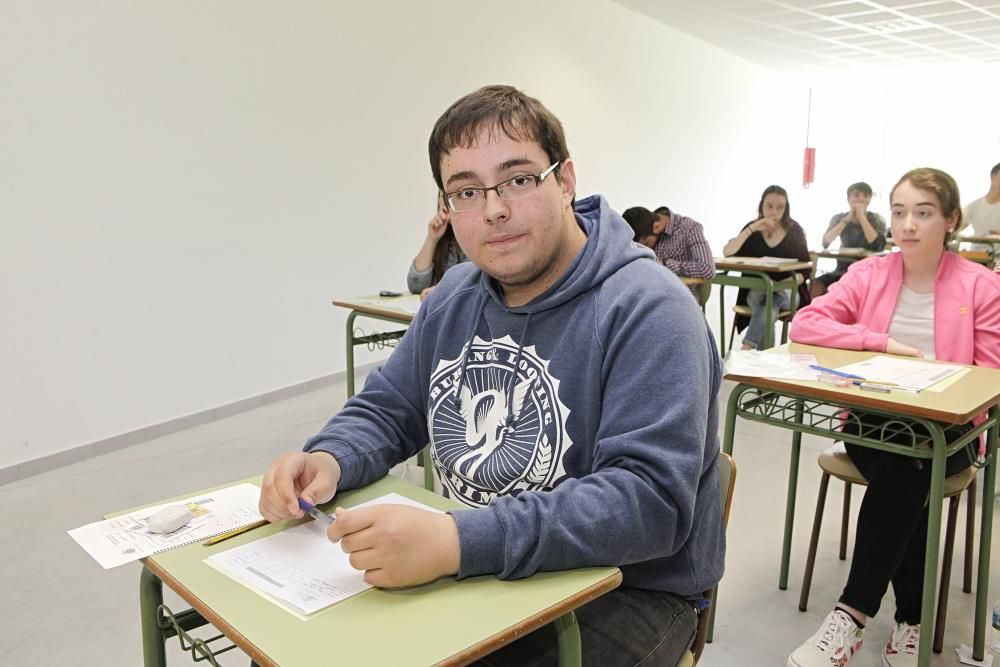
x=60 y=608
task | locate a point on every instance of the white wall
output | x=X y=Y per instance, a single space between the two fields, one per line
x=184 y=186
x=875 y=125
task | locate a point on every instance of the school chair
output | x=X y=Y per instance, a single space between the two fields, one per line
x=727 y=481
x=704 y=292
x=836 y=463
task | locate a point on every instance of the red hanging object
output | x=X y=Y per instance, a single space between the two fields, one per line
x=808 y=167
x=809 y=159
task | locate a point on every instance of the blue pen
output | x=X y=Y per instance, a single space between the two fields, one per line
x=316 y=512
x=823 y=369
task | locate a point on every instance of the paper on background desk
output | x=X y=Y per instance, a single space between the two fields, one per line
x=767 y=364
x=409 y=303
x=908 y=374
x=761 y=261
x=299 y=569
x=126 y=538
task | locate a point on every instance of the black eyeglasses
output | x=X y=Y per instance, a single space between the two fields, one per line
x=518 y=187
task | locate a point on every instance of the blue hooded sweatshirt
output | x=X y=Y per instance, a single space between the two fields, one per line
x=602 y=447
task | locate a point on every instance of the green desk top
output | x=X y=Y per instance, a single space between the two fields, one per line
x=418 y=626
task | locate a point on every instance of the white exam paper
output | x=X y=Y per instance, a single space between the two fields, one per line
x=299 y=568
x=908 y=374
x=766 y=364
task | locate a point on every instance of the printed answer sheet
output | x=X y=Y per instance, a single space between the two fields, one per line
x=126 y=538
x=299 y=569
x=908 y=374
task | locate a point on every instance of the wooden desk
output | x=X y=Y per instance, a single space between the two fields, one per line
x=396 y=309
x=755 y=274
x=447 y=622
x=992 y=241
x=812 y=407
x=983 y=257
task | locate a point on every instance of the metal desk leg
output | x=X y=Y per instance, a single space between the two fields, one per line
x=985 y=535
x=727 y=447
x=927 y=607
x=350 y=352
x=768 y=342
x=568 y=636
x=154 y=652
x=722 y=320
x=793 y=485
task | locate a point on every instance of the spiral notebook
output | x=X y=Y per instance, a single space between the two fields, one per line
x=126 y=538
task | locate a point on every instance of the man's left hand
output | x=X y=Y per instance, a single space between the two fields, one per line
x=397 y=545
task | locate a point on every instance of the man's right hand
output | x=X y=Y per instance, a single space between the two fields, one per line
x=293 y=475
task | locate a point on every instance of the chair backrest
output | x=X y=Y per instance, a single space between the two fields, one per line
x=727 y=482
x=704 y=292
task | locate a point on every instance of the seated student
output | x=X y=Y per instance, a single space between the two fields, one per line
x=439 y=253
x=646 y=225
x=772 y=234
x=983 y=214
x=858 y=228
x=536 y=434
x=921 y=301
x=642 y=222
x=681 y=245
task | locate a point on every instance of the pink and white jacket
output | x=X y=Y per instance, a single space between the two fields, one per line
x=855 y=313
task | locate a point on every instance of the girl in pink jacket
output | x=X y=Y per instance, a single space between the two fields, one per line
x=922 y=301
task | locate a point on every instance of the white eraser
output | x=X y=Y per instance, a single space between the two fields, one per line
x=169 y=519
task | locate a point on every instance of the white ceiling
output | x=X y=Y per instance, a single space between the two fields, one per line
x=799 y=34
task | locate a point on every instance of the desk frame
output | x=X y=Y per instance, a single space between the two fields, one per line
x=802 y=413
x=160 y=624
x=754 y=279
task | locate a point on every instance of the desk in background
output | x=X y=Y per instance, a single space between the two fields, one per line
x=755 y=274
x=812 y=407
x=395 y=309
x=989 y=244
x=848 y=254
x=447 y=622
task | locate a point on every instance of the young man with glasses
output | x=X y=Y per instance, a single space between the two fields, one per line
x=567 y=385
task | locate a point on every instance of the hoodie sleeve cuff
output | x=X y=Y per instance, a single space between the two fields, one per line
x=480 y=538
x=874 y=341
x=347 y=458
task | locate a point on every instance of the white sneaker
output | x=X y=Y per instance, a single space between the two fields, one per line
x=833 y=644
x=901 y=649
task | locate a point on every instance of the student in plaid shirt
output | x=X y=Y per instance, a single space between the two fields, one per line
x=681 y=245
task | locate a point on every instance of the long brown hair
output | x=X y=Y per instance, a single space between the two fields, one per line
x=446 y=245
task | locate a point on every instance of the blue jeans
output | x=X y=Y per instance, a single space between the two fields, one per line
x=754 y=336
x=625 y=627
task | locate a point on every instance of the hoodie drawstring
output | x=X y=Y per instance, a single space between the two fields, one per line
x=457 y=396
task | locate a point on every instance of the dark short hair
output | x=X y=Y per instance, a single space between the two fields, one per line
x=861 y=187
x=786 y=218
x=995 y=170
x=663 y=210
x=640 y=219
x=501 y=109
